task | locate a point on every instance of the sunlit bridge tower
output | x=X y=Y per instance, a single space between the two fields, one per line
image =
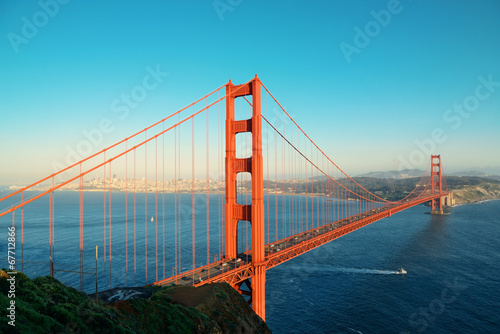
x=436 y=184
x=254 y=213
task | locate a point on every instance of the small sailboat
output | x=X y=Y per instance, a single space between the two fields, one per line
x=152 y=219
x=401 y=271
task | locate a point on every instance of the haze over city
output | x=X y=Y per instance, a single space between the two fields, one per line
x=378 y=85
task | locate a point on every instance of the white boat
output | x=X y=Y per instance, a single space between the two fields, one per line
x=152 y=219
x=401 y=271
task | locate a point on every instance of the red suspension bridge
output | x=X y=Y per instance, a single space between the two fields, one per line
x=190 y=200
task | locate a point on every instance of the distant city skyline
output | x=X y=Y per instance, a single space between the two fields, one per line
x=378 y=85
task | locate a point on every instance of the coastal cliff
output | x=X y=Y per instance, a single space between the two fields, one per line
x=44 y=305
x=476 y=193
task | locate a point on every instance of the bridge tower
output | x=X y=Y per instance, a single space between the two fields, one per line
x=254 y=213
x=436 y=184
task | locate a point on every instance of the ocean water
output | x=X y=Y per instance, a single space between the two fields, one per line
x=350 y=285
x=347 y=286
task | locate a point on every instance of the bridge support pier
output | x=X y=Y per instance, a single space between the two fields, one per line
x=254 y=213
x=259 y=290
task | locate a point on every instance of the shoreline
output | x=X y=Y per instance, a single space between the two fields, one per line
x=211 y=192
x=479 y=201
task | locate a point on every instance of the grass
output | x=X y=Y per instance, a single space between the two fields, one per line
x=45 y=305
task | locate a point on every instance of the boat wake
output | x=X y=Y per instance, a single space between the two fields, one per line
x=365 y=271
x=361 y=271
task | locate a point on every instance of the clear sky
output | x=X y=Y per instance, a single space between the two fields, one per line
x=373 y=82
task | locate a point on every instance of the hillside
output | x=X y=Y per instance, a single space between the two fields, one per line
x=476 y=193
x=465 y=189
x=44 y=305
x=400 y=174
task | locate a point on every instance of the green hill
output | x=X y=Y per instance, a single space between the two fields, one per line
x=44 y=305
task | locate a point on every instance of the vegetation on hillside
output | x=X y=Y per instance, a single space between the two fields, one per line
x=44 y=305
x=394 y=189
x=391 y=189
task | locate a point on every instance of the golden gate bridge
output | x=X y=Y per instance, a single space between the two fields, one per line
x=220 y=191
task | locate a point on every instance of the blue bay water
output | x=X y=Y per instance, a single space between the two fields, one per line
x=349 y=285
x=346 y=286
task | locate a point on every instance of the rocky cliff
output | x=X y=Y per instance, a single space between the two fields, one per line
x=476 y=193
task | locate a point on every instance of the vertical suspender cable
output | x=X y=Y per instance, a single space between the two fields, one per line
x=317 y=189
x=307 y=186
x=312 y=188
x=163 y=196
x=276 y=176
x=290 y=182
x=135 y=221
x=22 y=233
x=50 y=226
x=156 y=206
x=110 y=179
x=324 y=190
x=104 y=202
x=81 y=229
x=53 y=223
x=219 y=167
x=283 y=198
x=208 y=189
x=179 y=253
x=126 y=214
x=146 y=205
x=192 y=192
x=175 y=200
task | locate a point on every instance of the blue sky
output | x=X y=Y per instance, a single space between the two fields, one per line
x=368 y=99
